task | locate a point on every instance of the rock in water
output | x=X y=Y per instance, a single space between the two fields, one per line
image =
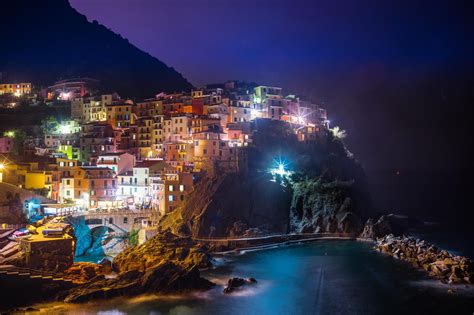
x=438 y=263
x=378 y=229
x=235 y=283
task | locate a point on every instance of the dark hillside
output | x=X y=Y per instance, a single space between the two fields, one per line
x=44 y=41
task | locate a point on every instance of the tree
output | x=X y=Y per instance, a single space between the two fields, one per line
x=338 y=132
x=49 y=125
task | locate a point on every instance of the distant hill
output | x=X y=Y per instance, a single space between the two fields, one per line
x=44 y=41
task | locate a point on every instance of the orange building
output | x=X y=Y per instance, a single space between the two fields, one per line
x=18 y=89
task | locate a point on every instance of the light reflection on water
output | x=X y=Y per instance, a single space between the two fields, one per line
x=326 y=277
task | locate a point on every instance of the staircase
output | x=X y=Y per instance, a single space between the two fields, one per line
x=9 y=272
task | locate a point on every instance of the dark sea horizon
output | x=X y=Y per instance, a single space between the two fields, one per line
x=440 y=199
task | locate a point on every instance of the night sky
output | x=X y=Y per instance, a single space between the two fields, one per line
x=395 y=74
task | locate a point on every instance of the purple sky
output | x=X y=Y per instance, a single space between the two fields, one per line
x=356 y=56
x=274 y=41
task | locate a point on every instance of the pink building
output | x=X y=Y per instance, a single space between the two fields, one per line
x=6 y=144
x=117 y=162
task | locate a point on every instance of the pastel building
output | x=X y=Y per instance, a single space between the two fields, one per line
x=117 y=162
x=90 y=187
x=6 y=144
x=18 y=89
x=136 y=183
x=172 y=190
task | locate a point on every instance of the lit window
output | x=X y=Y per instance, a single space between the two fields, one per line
x=171 y=198
x=170 y=187
x=181 y=187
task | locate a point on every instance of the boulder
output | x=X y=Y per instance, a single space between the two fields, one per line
x=235 y=283
x=438 y=263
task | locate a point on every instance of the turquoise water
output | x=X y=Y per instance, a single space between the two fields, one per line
x=325 y=277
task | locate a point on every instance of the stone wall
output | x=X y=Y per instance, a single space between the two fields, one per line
x=52 y=255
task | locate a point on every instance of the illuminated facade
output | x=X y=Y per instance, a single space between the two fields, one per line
x=17 y=89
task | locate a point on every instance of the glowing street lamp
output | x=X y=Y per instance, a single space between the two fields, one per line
x=280 y=169
x=2 y=167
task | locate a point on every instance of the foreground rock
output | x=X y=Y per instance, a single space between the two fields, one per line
x=378 y=229
x=235 y=283
x=438 y=263
x=84 y=272
x=389 y=224
x=166 y=263
x=164 y=246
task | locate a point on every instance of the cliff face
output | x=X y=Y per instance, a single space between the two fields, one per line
x=233 y=204
x=324 y=207
x=57 y=42
x=327 y=191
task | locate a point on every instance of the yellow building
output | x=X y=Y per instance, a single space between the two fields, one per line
x=18 y=89
x=35 y=180
x=119 y=115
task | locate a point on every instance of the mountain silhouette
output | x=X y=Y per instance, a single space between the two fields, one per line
x=46 y=41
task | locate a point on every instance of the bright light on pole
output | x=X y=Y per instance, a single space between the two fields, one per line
x=280 y=168
x=2 y=166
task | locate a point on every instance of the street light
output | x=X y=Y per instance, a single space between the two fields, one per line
x=2 y=166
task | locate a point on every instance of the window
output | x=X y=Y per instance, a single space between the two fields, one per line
x=171 y=198
x=68 y=182
x=68 y=193
x=181 y=187
x=125 y=220
x=170 y=187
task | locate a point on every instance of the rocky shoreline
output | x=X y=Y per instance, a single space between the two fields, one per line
x=166 y=264
x=439 y=264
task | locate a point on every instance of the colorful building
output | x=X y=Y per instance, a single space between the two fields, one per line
x=18 y=89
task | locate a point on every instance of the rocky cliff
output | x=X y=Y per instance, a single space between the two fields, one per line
x=325 y=192
x=234 y=205
x=165 y=263
x=323 y=206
